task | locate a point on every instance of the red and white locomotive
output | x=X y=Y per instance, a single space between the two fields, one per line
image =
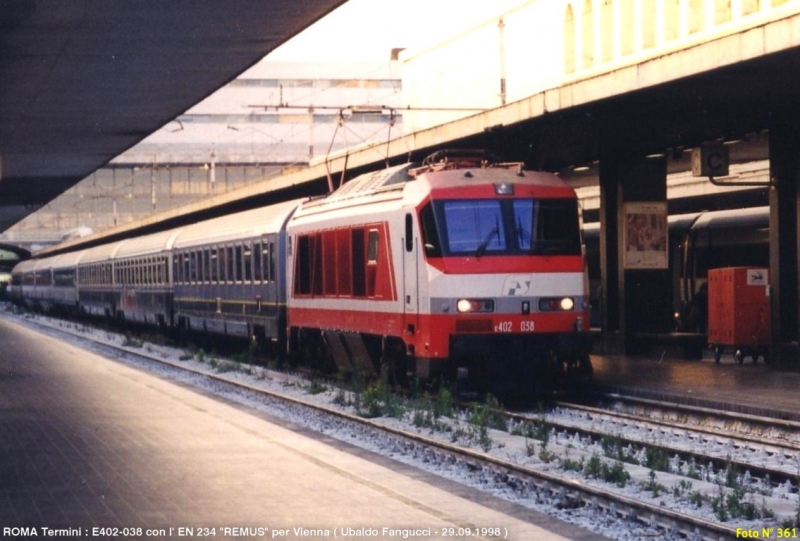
x=458 y=267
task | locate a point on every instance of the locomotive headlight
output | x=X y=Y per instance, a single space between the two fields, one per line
x=557 y=304
x=465 y=306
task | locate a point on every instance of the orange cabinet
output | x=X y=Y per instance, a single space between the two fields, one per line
x=738 y=311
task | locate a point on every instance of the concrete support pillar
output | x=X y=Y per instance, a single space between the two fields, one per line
x=784 y=200
x=633 y=295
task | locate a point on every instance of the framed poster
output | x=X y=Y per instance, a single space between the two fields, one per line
x=645 y=235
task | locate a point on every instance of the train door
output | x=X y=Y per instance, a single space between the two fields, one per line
x=410 y=278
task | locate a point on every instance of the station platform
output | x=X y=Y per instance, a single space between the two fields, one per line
x=753 y=389
x=96 y=449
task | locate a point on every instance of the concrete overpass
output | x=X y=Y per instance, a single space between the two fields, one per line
x=622 y=86
x=84 y=80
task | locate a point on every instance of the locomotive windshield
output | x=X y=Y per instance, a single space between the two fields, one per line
x=478 y=227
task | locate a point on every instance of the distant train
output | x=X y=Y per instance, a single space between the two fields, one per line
x=697 y=242
x=459 y=267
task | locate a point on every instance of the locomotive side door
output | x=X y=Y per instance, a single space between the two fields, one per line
x=410 y=278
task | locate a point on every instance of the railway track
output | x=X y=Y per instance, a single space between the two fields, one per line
x=774 y=462
x=525 y=481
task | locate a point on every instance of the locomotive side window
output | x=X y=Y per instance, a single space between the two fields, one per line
x=430 y=234
x=302 y=271
x=308 y=265
x=344 y=257
x=316 y=265
x=359 y=274
x=409 y=233
x=329 y=276
x=372 y=247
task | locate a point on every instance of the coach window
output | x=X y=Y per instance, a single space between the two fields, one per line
x=199 y=274
x=186 y=267
x=201 y=266
x=213 y=259
x=230 y=266
x=238 y=270
x=247 y=254
x=257 y=276
x=192 y=278
x=182 y=269
x=271 y=261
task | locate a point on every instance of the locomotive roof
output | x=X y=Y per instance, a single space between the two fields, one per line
x=387 y=179
x=387 y=184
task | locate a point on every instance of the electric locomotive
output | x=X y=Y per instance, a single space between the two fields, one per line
x=459 y=268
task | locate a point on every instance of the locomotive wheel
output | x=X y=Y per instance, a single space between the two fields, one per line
x=738 y=356
x=717 y=354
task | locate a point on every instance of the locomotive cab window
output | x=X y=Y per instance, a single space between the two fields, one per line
x=547 y=227
x=482 y=227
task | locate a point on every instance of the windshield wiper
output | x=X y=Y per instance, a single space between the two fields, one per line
x=485 y=244
x=522 y=234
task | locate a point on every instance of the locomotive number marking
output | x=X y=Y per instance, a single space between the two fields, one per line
x=508 y=326
x=526 y=326
x=504 y=326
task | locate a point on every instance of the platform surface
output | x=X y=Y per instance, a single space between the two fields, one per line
x=86 y=442
x=746 y=388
